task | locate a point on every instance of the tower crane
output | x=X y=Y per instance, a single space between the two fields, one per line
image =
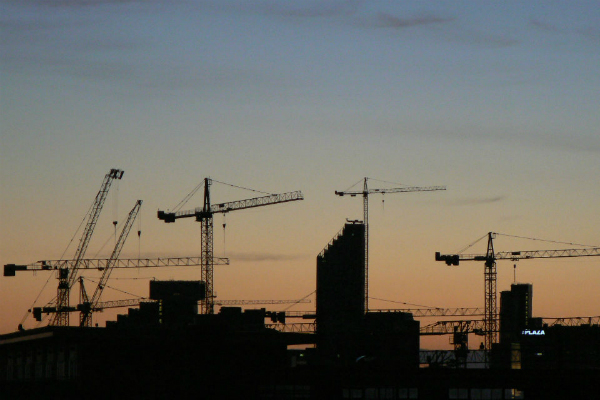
x=85 y=317
x=67 y=277
x=204 y=215
x=490 y=275
x=365 y=194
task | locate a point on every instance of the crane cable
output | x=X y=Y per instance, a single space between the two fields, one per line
x=388 y=182
x=241 y=187
x=61 y=257
x=472 y=244
x=298 y=301
x=188 y=197
x=115 y=208
x=139 y=221
x=35 y=301
x=116 y=289
x=350 y=187
x=545 y=240
x=408 y=304
x=201 y=184
x=224 y=225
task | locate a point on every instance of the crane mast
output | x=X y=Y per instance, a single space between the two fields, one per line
x=204 y=215
x=67 y=277
x=85 y=318
x=365 y=194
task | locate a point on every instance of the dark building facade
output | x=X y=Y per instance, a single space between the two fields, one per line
x=341 y=290
x=346 y=334
x=220 y=356
x=178 y=300
x=527 y=343
x=516 y=310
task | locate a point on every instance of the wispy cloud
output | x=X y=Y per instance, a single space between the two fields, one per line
x=79 y=3
x=384 y=20
x=264 y=257
x=447 y=28
x=592 y=33
x=315 y=10
x=482 y=39
x=544 y=26
x=589 y=33
x=475 y=201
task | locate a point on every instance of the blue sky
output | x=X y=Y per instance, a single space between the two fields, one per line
x=496 y=100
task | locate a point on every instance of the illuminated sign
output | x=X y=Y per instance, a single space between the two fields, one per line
x=528 y=332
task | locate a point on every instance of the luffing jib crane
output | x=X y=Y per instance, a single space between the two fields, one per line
x=85 y=318
x=67 y=277
x=204 y=215
x=489 y=259
x=365 y=194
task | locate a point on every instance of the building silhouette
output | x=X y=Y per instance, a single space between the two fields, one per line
x=165 y=349
x=346 y=333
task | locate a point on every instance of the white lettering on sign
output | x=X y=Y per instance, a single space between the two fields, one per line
x=528 y=332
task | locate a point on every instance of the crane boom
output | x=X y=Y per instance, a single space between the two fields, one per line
x=478 y=326
x=365 y=193
x=86 y=315
x=68 y=277
x=255 y=302
x=101 y=263
x=454 y=259
x=391 y=190
x=199 y=212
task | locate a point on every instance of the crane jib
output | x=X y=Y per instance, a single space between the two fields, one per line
x=454 y=259
x=201 y=214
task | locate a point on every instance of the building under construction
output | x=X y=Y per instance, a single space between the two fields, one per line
x=346 y=333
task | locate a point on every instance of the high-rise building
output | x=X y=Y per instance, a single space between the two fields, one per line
x=515 y=311
x=341 y=287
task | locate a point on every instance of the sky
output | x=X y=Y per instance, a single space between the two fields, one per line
x=496 y=100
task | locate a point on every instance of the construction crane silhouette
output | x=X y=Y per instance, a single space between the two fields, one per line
x=87 y=305
x=102 y=305
x=204 y=215
x=101 y=263
x=490 y=275
x=365 y=193
x=67 y=277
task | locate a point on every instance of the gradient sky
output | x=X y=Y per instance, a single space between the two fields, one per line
x=499 y=101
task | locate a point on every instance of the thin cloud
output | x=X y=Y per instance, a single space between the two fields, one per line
x=475 y=201
x=264 y=257
x=590 y=33
x=80 y=3
x=384 y=20
x=482 y=39
x=451 y=32
x=316 y=10
x=544 y=26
